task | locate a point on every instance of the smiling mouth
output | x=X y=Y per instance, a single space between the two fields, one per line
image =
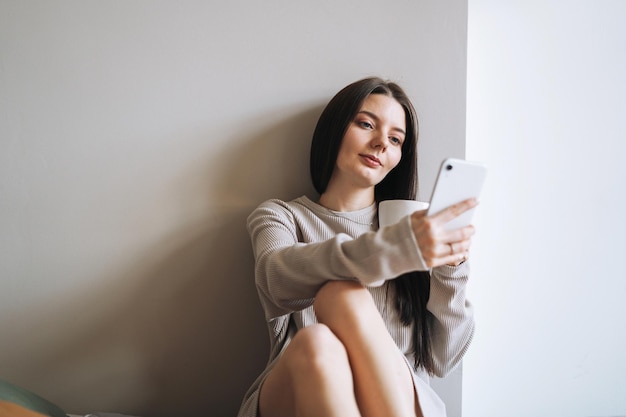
x=371 y=159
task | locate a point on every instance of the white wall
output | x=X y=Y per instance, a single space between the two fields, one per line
x=547 y=112
x=135 y=137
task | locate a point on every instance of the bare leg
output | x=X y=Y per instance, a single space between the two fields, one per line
x=312 y=378
x=383 y=384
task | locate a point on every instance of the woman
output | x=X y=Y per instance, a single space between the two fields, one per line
x=339 y=347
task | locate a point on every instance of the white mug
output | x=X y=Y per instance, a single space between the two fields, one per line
x=392 y=211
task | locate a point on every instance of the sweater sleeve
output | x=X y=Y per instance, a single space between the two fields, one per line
x=453 y=316
x=289 y=273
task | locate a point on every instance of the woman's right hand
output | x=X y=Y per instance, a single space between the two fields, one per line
x=438 y=245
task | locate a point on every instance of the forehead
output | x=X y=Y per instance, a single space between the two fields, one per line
x=385 y=108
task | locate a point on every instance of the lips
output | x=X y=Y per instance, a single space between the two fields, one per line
x=371 y=160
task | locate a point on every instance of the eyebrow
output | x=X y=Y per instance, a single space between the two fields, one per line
x=373 y=116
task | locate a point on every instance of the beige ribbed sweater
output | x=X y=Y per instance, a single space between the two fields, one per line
x=300 y=245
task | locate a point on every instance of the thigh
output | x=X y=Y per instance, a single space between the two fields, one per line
x=383 y=381
x=276 y=395
x=313 y=368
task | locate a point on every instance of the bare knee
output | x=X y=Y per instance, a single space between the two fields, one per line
x=342 y=299
x=313 y=377
x=315 y=349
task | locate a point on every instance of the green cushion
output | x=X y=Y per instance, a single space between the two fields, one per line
x=27 y=399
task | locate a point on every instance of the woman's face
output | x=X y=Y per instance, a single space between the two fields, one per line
x=372 y=144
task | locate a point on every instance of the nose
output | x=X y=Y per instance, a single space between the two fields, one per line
x=379 y=142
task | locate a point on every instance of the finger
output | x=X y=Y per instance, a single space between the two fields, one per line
x=458 y=259
x=453 y=248
x=442 y=250
x=452 y=260
x=461 y=246
x=455 y=210
x=456 y=235
x=448 y=259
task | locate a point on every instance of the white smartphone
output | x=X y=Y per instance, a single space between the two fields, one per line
x=457 y=180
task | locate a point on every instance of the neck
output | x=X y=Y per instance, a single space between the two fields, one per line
x=347 y=200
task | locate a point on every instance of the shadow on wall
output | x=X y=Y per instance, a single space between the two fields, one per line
x=273 y=163
x=181 y=328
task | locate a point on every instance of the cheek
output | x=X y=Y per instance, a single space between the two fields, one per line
x=395 y=160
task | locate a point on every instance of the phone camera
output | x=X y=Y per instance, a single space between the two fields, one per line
x=448 y=167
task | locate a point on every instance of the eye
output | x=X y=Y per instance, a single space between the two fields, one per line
x=395 y=140
x=365 y=125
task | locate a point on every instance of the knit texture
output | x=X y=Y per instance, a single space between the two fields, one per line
x=300 y=245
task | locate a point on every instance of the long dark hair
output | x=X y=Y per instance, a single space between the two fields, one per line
x=412 y=289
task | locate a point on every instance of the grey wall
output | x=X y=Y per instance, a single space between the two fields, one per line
x=547 y=112
x=135 y=137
